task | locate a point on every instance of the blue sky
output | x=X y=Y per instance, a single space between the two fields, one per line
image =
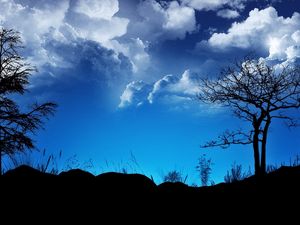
x=124 y=73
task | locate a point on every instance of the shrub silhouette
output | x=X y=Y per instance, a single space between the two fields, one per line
x=174 y=176
x=43 y=162
x=236 y=174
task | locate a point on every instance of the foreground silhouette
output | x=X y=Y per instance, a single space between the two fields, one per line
x=285 y=180
x=133 y=197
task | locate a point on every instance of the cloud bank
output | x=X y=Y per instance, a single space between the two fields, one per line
x=163 y=21
x=68 y=22
x=263 y=29
x=108 y=47
x=169 y=89
x=215 y=4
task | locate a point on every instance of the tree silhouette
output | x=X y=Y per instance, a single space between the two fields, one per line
x=257 y=93
x=15 y=125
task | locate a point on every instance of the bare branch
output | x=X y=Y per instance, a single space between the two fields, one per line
x=289 y=121
x=230 y=138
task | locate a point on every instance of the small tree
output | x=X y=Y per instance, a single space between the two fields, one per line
x=174 y=176
x=204 y=169
x=16 y=126
x=257 y=93
x=236 y=174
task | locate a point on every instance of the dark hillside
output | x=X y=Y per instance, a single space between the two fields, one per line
x=112 y=193
x=285 y=180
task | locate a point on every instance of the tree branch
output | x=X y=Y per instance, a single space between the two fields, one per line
x=230 y=138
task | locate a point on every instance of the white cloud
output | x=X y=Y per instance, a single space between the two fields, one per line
x=179 y=18
x=168 y=90
x=228 y=13
x=263 y=29
x=296 y=36
x=134 y=93
x=293 y=52
x=188 y=84
x=34 y=23
x=214 y=4
x=164 y=20
x=33 y=20
x=136 y=51
x=95 y=20
x=162 y=85
x=22 y=18
x=66 y=21
x=104 y=9
x=183 y=88
x=278 y=46
x=177 y=94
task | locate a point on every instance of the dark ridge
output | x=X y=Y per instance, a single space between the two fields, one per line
x=135 y=194
x=126 y=182
x=76 y=173
x=174 y=187
x=24 y=171
x=284 y=181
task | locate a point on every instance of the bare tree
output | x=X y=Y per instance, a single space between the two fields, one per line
x=257 y=93
x=15 y=125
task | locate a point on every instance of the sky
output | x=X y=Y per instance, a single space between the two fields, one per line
x=125 y=76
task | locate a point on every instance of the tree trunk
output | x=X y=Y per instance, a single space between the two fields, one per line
x=0 y=152
x=0 y=163
x=256 y=152
x=264 y=145
x=1 y=148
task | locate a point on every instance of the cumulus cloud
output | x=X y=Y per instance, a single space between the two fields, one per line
x=164 y=20
x=96 y=77
x=68 y=21
x=296 y=36
x=214 y=4
x=176 y=93
x=228 y=13
x=33 y=23
x=169 y=89
x=89 y=62
x=32 y=17
x=293 y=52
x=104 y=9
x=183 y=88
x=263 y=29
x=162 y=85
x=179 y=18
x=96 y=20
x=134 y=94
x=136 y=50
